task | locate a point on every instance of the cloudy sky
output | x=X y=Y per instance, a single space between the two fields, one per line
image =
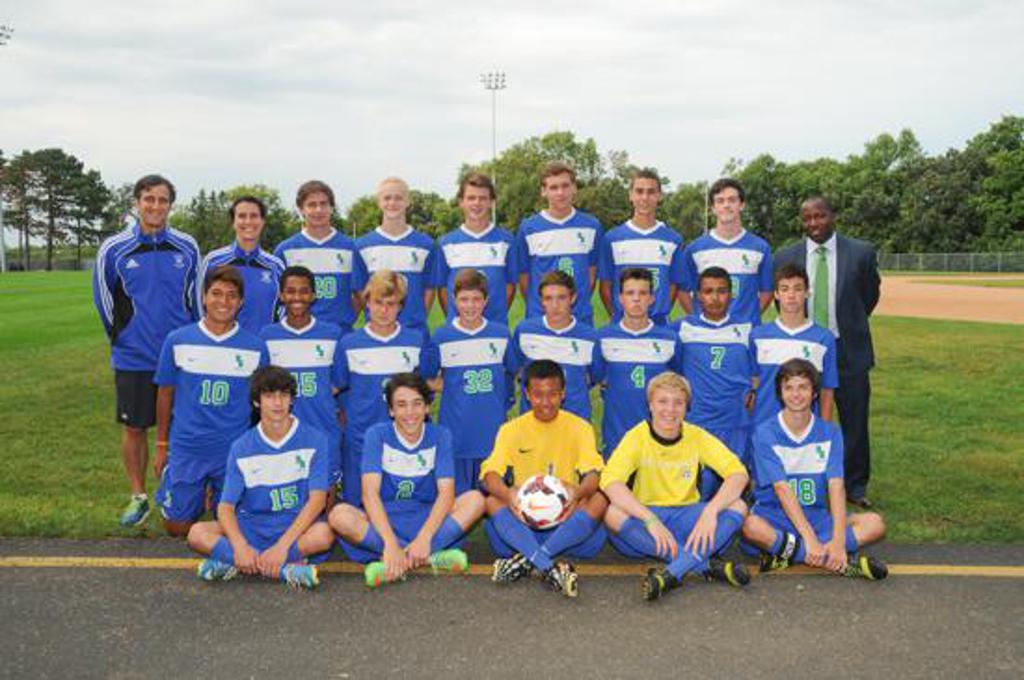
x=218 y=93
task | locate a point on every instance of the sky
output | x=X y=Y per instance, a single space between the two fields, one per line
x=219 y=93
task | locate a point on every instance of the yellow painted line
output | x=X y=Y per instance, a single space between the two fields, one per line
x=73 y=562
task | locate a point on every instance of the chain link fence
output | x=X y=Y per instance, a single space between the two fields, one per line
x=986 y=263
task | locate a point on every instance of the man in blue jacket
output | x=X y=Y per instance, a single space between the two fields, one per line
x=143 y=287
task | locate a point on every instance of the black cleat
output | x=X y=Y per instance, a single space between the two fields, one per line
x=865 y=566
x=509 y=569
x=733 y=573
x=562 y=578
x=657 y=582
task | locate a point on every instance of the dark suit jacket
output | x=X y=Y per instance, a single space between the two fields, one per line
x=857 y=290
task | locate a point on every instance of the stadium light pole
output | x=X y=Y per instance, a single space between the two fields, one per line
x=5 y=35
x=494 y=81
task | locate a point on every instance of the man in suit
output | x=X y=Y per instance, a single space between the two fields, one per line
x=845 y=286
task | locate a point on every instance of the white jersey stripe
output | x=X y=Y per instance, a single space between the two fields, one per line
x=475 y=352
x=403 y=464
x=564 y=350
x=476 y=254
x=736 y=333
x=636 y=350
x=733 y=260
x=223 y=361
x=776 y=351
x=301 y=353
x=277 y=468
x=810 y=459
x=321 y=260
x=564 y=241
x=397 y=258
x=383 y=360
x=643 y=252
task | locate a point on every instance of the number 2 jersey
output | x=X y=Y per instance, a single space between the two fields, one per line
x=409 y=471
x=210 y=376
x=269 y=482
x=478 y=368
x=805 y=462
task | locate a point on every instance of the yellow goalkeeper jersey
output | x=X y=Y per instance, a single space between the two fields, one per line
x=564 y=447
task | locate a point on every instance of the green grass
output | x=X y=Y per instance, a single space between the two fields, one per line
x=947 y=421
x=976 y=283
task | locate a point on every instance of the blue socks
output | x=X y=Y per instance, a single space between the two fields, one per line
x=573 y=531
x=449 y=532
x=372 y=542
x=852 y=545
x=636 y=535
x=729 y=522
x=222 y=551
x=519 y=536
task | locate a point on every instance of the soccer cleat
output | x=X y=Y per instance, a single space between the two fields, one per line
x=300 y=576
x=865 y=566
x=733 y=573
x=215 y=570
x=657 y=582
x=136 y=512
x=782 y=559
x=509 y=569
x=453 y=560
x=562 y=578
x=373 y=574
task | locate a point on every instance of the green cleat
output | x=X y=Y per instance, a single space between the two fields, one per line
x=215 y=570
x=865 y=566
x=733 y=573
x=509 y=569
x=453 y=560
x=657 y=582
x=562 y=578
x=300 y=576
x=373 y=574
x=136 y=512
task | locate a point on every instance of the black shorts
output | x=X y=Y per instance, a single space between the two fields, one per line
x=136 y=398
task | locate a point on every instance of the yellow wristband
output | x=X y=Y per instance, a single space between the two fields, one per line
x=650 y=521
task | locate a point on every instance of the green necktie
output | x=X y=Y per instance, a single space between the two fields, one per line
x=821 y=288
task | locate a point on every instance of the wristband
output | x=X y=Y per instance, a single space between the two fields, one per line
x=651 y=521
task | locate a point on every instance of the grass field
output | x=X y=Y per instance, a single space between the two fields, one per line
x=948 y=424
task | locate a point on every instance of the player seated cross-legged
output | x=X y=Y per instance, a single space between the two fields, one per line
x=544 y=440
x=411 y=517
x=275 y=487
x=662 y=515
x=800 y=496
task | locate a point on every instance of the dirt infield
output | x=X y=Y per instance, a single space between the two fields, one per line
x=910 y=295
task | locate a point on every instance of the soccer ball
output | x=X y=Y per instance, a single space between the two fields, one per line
x=542 y=500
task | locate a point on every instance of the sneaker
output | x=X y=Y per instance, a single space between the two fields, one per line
x=657 y=582
x=562 y=578
x=509 y=569
x=373 y=574
x=453 y=560
x=215 y=570
x=300 y=576
x=865 y=566
x=733 y=573
x=136 y=512
x=774 y=563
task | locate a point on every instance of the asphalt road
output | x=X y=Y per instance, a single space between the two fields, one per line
x=128 y=623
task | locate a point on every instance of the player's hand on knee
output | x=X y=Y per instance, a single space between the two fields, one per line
x=701 y=540
x=835 y=556
x=271 y=560
x=245 y=559
x=418 y=552
x=815 y=551
x=664 y=542
x=395 y=562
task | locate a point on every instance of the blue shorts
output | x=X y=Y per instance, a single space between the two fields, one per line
x=467 y=475
x=183 y=487
x=587 y=550
x=819 y=519
x=679 y=519
x=352 y=468
x=262 y=535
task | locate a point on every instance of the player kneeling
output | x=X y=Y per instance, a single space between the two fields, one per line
x=662 y=516
x=275 y=488
x=544 y=440
x=412 y=517
x=800 y=496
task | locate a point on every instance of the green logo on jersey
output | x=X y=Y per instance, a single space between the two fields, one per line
x=319 y=351
x=807 y=352
x=736 y=331
x=300 y=462
x=408 y=359
x=340 y=258
x=415 y=257
x=819 y=451
x=580 y=237
x=575 y=347
x=662 y=250
x=494 y=349
x=405 y=490
x=421 y=460
x=657 y=348
x=494 y=251
x=746 y=260
x=238 y=360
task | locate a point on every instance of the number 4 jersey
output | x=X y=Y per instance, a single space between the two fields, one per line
x=478 y=369
x=210 y=377
x=270 y=482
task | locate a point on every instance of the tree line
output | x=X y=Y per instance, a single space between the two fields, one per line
x=892 y=194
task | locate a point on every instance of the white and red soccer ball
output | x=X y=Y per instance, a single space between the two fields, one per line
x=542 y=501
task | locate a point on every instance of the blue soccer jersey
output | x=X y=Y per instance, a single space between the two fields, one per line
x=412 y=254
x=210 y=377
x=310 y=355
x=269 y=482
x=144 y=287
x=715 y=359
x=772 y=345
x=573 y=347
x=659 y=249
x=804 y=462
x=631 y=360
x=478 y=368
x=490 y=252
x=748 y=260
x=330 y=260
x=261 y=274
x=572 y=245
x=409 y=471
